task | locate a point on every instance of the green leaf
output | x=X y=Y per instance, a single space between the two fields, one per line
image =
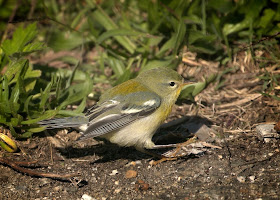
x=4 y=96
x=26 y=105
x=117 y=66
x=119 y=32
x=169 y=45
x=71 y=78
x=232 y=28
x=25 y=135
x=124 y=77
x=198 y=36
x=221 y=5
x=14 y=100
x=59 y=40
x=267 y=18
x=32 y=73
x=77 y=111
x=45 y=95
x=82 y=106
x=190 y=91
x=154 y=40
x=187 y=91
x=13 y=132
x=159 y=63
x=13 y=68
x=21 y=44
x=78 y=17
x=76 y=92
x=46 y=115
x=29 y=85
x=180 y=35
x=201 y=47
x=36 y=130
x=104 y=20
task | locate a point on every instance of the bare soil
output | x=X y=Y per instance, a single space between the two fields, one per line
x=245 y=167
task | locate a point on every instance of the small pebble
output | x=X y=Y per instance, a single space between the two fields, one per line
x=131 y=174
x=86 y=197
x=114 y=172
x=252 y=178
x=44 y=181
x=266 y=132
x=118 y=190
x=241 y=179
x=134 y=163
x=140 y=185
x=58 y=188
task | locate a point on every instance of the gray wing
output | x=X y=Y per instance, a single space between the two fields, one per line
x=119 y=112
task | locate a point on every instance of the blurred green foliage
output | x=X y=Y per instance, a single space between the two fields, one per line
x=25 y=97
x=145 y=34
x=131 y=35
x=128 y=35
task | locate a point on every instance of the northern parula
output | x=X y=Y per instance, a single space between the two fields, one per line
x=130 y=113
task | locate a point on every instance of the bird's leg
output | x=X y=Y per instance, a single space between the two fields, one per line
x=174 y=155
x=156 y=155
x=163 y=146
x=180 y=145
x=161 y=157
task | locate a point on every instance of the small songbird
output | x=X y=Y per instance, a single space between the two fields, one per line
x=130 y=113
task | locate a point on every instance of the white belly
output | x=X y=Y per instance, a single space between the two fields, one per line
x=138 y=134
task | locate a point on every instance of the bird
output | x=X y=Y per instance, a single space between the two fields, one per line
x=130 y=113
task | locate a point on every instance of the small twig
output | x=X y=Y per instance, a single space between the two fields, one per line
x=42 y=19
x=29 y=172
x=210 y=145
x=33 y=6
x=10 y=19
x=169 y=10
x=53 y=140
x=261 y=40
x=238 y=131
x=25 y=163
x=248 y=98
x=51 y=153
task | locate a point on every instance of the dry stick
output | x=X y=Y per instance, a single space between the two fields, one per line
x=42 y=19
x=10 y=19
x=169 y=10
x=25 y=163
x=15 y=166
x=240 y=102
x=261 y=40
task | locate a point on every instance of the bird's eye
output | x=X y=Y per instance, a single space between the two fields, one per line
x=172 y=83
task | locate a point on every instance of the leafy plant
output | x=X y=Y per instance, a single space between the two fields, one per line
x=133 y=35
x=25 y=98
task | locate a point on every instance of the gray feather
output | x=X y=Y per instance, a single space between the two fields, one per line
x=64 y=122
x=122 y=114
x=111 y=115
x=103 y=127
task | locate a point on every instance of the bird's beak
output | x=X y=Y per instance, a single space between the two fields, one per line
x=187 y=83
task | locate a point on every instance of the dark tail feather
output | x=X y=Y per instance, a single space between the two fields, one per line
x=66 y=122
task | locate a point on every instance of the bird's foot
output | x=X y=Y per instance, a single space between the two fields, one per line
x=174 y=154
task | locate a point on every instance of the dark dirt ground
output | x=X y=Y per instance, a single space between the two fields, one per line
x=245 y=167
